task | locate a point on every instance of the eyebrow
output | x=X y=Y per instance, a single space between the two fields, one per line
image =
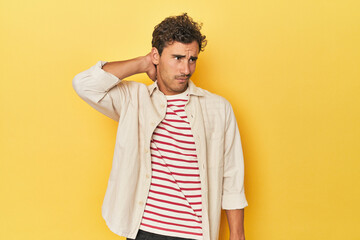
x=182 y=56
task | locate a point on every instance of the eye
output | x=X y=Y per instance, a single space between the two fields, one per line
x=177 y=58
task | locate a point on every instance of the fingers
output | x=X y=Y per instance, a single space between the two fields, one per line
x=152 y=72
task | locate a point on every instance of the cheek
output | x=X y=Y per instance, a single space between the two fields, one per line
x=192 y=67
x=173 y=67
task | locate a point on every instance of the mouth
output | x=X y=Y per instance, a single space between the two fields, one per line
x=182 y=78
x=182 y=81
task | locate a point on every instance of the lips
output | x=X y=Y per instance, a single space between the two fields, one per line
x=182 y=78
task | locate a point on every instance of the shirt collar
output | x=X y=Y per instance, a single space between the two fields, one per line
x=193 y=90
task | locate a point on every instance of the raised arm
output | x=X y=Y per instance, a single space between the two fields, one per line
x=100 y=85
x=124 y=69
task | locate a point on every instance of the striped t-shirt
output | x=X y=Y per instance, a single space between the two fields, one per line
x=173 y=207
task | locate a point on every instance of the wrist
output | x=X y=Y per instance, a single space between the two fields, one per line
x=237 y=236
x=146 y=63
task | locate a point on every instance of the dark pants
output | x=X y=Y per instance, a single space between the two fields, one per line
x=142 y=235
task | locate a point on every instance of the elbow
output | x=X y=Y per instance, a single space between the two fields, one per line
x=82 y=86
x=77 y=85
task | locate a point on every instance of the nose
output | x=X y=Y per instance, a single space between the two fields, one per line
x=185 y=68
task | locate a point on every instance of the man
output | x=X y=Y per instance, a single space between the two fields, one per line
x=178 y=157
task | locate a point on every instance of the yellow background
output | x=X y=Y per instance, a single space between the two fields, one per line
x=289 y=68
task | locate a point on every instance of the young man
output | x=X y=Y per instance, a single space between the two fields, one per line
x=178 y=157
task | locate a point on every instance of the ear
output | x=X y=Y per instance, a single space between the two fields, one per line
x=155 y=56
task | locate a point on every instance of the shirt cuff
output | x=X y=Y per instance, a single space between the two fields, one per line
x=234 y=201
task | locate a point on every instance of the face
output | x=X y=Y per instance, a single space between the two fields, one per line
x=175 y=66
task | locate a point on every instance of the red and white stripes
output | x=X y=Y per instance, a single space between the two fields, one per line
x=173 y=207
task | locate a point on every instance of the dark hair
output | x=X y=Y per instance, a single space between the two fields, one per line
x=180 y=28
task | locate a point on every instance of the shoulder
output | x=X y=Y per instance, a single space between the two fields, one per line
x=132 y=86
x=212 y=98
x=131 y=91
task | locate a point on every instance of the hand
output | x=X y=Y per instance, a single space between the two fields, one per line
x=150 y=67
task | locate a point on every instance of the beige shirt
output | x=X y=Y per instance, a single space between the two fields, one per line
x=139 y=109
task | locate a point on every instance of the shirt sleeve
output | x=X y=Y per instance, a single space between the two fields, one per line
x=233 y=196
x=99 y=89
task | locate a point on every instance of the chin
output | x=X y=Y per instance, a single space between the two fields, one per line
x=180 y=90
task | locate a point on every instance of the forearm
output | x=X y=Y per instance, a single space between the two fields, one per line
x=123 y=69
x=236 y=224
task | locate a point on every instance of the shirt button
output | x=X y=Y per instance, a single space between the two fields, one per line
x=147 y=176
x=141 y=203
x=146 y=150
x=153 y=124
x=162 y=105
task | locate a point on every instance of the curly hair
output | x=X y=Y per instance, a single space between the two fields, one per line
x=180 y=28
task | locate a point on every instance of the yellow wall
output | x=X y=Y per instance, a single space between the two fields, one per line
x=289 y=68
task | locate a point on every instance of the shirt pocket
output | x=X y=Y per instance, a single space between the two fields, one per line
x=215 y=150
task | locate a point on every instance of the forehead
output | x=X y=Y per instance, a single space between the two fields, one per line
x=191 y=49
